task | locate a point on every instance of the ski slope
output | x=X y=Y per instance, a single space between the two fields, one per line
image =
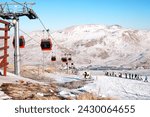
x=122 y=88
x=100 y=85
x=118 y=88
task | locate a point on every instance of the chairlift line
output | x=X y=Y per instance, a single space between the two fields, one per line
x=49 y=35
x=28 y=36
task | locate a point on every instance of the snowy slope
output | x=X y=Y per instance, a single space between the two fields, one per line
x=122 y=88
x=107 y=45
x=117 y=88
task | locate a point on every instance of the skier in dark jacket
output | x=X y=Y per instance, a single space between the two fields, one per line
x=126 y=75
x=87 y=75
x=132 y=76
x=129 y=76
x=146 y=79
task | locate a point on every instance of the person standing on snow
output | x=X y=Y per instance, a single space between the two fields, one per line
x=86 y=75
x=129 y=76
x=146 y=79
x=126 y=75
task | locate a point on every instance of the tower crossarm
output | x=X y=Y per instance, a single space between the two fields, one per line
x=6 y=13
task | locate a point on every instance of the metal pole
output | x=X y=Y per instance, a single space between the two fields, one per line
x=67 y=69
x=17 y=50
x=67 y=65
x=43 y=64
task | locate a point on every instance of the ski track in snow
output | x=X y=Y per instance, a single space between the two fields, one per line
x=123 y=88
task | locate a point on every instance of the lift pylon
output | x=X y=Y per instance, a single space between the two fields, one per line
x=7 y=13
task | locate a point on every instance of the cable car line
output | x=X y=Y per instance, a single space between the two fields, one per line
x=46 y=44
x=29 y=37
x=49 y=35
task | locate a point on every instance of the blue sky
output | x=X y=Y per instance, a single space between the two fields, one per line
x=58 y=14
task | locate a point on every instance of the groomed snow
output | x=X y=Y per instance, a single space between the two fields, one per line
x=117 y=88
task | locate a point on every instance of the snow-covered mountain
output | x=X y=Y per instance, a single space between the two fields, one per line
x=93 y=45
x=106 y=45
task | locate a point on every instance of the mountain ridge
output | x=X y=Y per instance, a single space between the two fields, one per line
x=97 y=44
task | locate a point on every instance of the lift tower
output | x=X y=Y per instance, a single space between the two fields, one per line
x=9 y=11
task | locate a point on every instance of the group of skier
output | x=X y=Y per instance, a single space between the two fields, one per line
x=127 y=76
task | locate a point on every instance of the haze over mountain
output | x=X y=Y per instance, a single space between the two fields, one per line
x=93 y=45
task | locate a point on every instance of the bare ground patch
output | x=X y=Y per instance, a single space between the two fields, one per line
x=34 y=91
x=29 y=91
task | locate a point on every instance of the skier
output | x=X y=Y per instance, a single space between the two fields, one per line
x=136 y=77
x=129 y=76
x=126 y=75
x=132 y=76
x=113 y=74
x=120 y=75
x=146 y=79
x=140 y=78
x=86 y=75
x=110 y=74
x=106 y=73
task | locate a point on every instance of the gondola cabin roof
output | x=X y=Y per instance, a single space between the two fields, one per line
x=46 y=44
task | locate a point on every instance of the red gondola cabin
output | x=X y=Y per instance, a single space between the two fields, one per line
x=46 y=44
x=64 y=59
x=53 y=58
x=69 y=59
x=21 y=42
